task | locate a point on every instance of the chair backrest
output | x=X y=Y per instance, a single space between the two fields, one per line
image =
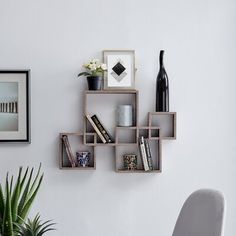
x=201 y=215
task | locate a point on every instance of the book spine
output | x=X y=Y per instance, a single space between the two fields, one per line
x=101 y=128
x=149 y=154
x=69 y=151
x=96 y=129
x=143 y=153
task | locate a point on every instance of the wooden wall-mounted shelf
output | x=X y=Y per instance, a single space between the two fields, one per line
x=103 y=103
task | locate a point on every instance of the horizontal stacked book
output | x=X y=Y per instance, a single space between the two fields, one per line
x=99 y=128
x=145 y=153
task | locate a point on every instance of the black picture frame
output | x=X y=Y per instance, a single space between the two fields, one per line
x=19 y=82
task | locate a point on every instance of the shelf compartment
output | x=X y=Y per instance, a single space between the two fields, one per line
x=88 y=132
x=76 y=143
x=154 y=133
x=90 y=138
x=126 y=135
x=143 y=131
x=166 y=121
x=96 y=101
x=121 y=150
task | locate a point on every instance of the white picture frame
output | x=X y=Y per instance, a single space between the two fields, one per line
x=120 y=72
x=15 y=106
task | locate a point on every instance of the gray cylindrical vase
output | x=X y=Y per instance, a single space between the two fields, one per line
x=125 y=115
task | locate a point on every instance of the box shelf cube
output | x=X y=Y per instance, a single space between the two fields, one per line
x=126 y=135
x=154 y=133
x=76 y=143
x=166 y=121
x=121 y=150
x=104 y=103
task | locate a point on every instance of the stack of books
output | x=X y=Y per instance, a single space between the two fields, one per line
x=145 y=153
x=99 y=128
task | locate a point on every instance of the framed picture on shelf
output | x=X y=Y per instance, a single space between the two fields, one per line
x=120 y=72
x=14 y=106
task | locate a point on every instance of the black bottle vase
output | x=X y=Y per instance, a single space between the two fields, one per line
x=162 y=87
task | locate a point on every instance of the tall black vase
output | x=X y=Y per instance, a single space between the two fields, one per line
x=162 y=87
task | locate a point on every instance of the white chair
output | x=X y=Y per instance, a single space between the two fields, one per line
x=201 y=215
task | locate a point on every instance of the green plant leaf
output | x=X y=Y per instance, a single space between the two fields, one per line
x=28 y=204
x=7 y=219
x=24 y=196
x=47 y=226
x=83 y=74
x=15 y=196
x=24 y=178
x=35 y=180
x=2 y=203
x=11 y=184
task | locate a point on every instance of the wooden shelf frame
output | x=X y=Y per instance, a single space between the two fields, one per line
x=134 y=102
x=153 y=132
x=171 y=116
x=62 y=156
x=139 y=132
x=157 y=159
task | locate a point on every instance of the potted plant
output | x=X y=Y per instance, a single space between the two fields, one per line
x=34 y=227
x=94 y=72
x=17 y=199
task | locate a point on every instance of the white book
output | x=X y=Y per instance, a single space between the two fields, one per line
x=95 y=128
x=143 y=153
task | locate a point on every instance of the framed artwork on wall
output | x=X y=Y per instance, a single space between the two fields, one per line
x=15 y=106
x=120 y=72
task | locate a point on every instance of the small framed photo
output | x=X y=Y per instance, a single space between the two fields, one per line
x=15 y=106
x=120 y=72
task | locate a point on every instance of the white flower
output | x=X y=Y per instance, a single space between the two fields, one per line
x=95 y=61
x=85 y=65
x=103 y=66
x=92 y=66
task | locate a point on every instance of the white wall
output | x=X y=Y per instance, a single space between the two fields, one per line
x=53 y=38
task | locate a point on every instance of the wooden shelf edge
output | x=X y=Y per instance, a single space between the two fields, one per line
x=126 y=127
x=163 y=113
x=72 y=133
x=137 y=171
x=78 y=168
x=168 y=138
x=100 y=144
x=113 y=91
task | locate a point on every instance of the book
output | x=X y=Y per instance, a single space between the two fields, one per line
x=69 y=151
x=149 y=154
x=101 y=128
x=96 y=128
x=143 y=153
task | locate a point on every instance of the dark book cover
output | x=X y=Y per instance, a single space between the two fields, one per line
x=101 y=128
x=100 y=135
x=68 y=150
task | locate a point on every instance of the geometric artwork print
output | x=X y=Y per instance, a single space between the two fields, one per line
x=118 y=71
